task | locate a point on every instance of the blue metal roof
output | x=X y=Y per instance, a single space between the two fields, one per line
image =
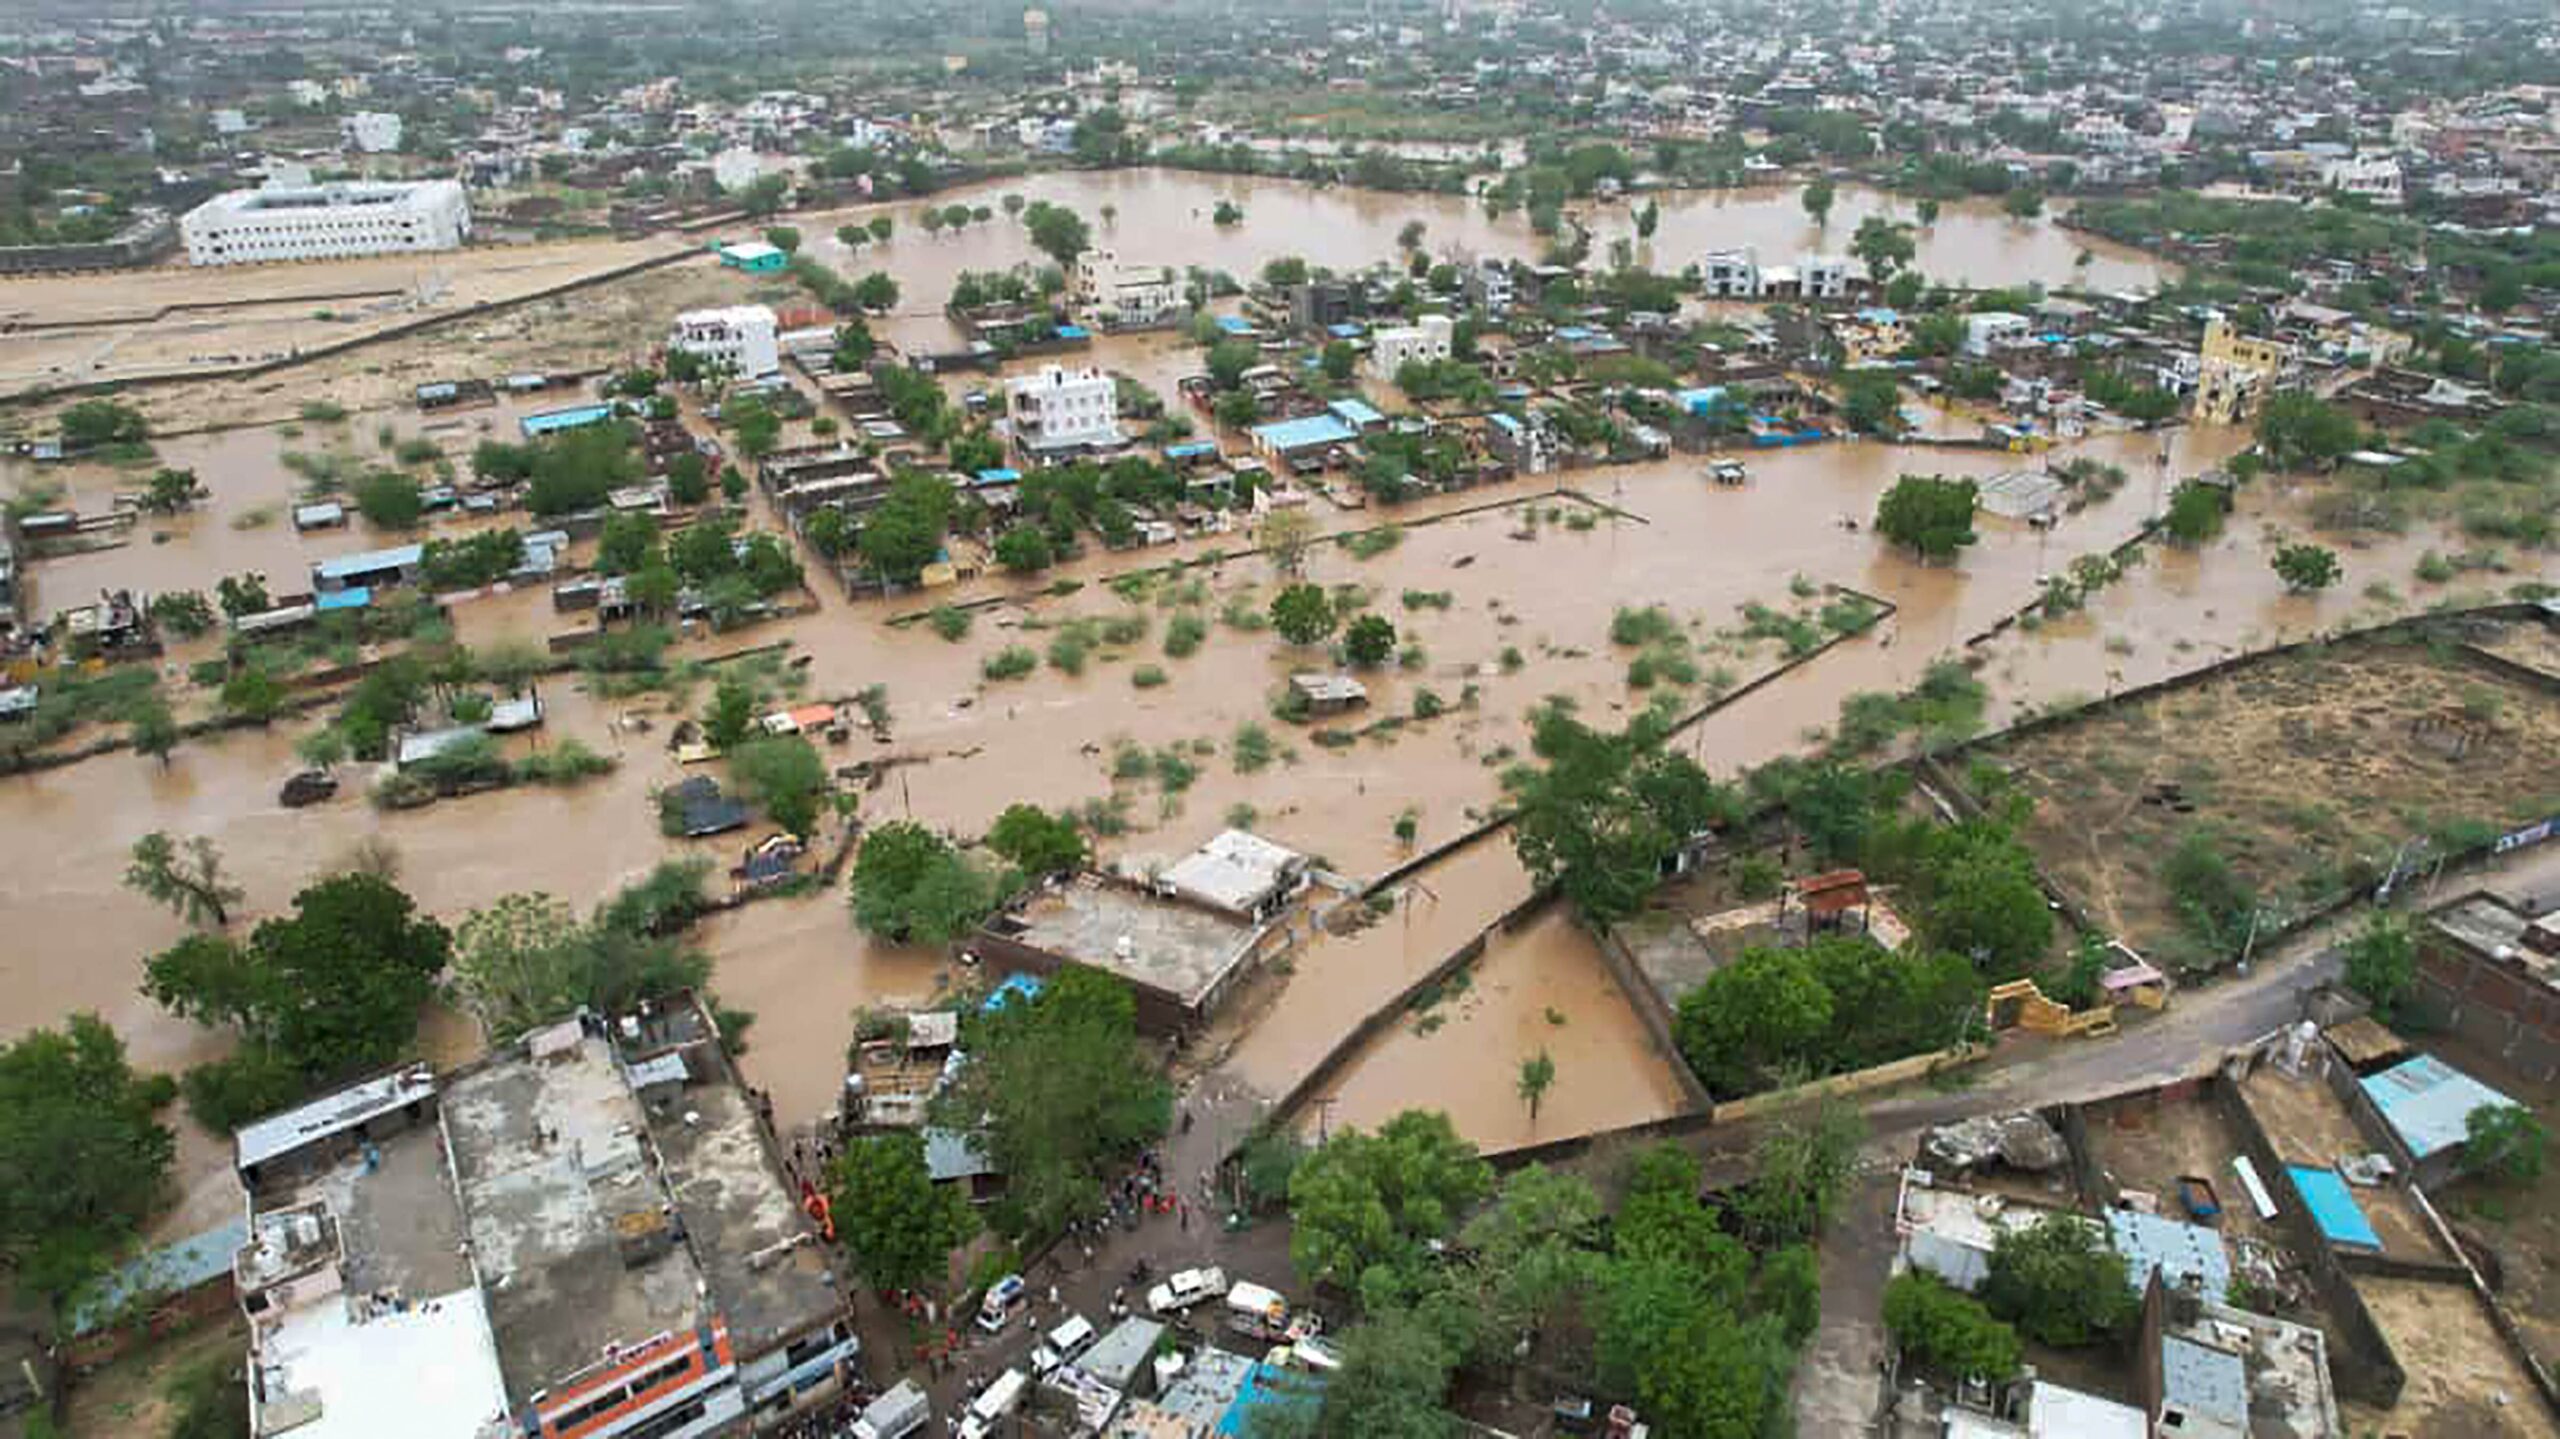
x=1191 y=450
x=998 y=476
x=2204 y=1381
x=1073 y=332
x=1305 y=432
x=398 y=557
x=2428 y=1102
x=554 y=421
x=1358 y=412
x=1345 y=331
x=170 y=1269
x=2333 y=1207
x=1700 y=401
x=353 y=597
x=2179 y=1251
x=1235 y=324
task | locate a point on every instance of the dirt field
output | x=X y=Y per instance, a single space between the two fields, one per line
x=2463 y=1382
x=89 y=329
x=129 y=1397
x=2309 y=771
x=2520 y=1224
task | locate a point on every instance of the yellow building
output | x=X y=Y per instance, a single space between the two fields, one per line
x=2236 y=374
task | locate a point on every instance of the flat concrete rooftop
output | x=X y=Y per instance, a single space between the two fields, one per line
x=768 y=1272
x=550 y=1155
x=1178 y=948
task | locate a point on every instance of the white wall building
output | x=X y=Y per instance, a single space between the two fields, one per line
x=2375 y=177
x=1990 y=330
x=1825 y=277
x=240 y=227
x=374 y=132
x=1108 y=292
x=1731 y=274
x=739 y=337
x=1425 y=341
x=736 y=168
x=1059 y=410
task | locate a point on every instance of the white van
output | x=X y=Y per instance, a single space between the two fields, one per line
x=998 y=1305
x=1187 y=1288
x=995 y=1402
x=894 y=1415
x=1256 y=1309
x=1064 y=1343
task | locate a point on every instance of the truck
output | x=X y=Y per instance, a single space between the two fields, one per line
x=894 y=1415
x=1257 y=1312
x=1184 y=1289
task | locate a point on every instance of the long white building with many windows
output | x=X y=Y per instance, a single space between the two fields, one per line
x=320 y=222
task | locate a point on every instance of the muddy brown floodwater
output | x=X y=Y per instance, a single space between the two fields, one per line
x=1163 y=217
x=1539 y=989
x=1546 y=591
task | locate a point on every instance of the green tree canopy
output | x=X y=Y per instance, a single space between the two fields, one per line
x=88 y=1165
x=1057 y=1090
x=1929 y=515
x=1036 y=841
x=1605 y=811
x=2060 y=1283
x=1365 y=1200
x=910 y=885
x=897 y=1223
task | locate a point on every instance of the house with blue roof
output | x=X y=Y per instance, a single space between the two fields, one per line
x=2425 y=1105
x=1301 y=443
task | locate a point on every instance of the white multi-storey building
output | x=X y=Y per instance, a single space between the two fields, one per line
x=1731 y=274
x=738 y=338
x=1108 y=292
x=1426 y=341
x=240 y=227
x=2374 y=177
x=1058 y=411
x=375 y=132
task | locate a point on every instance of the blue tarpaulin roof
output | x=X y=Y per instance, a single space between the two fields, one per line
x=1026 y=985
x=1275 y=1387
x=1700 y=401
x=998 y=476
x=1235 y=324
x=353 y=597
x=1191 y=450
x=2428 y=1102
x=1343 y=331
x=2333 y=1206
x=1074 y=332
x=553 y=421
x=1305 y=432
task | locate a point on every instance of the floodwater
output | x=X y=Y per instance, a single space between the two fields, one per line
x=1544 y=590
x=1160 y=216
x=974 y=747
x=1539 y=989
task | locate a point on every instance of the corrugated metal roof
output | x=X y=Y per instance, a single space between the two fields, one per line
x=2428 y=1102
x=169 y=1269
x=2179 y=1251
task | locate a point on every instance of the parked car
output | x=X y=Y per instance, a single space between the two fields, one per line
x=1002 y=1298
x=1063 y=1344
